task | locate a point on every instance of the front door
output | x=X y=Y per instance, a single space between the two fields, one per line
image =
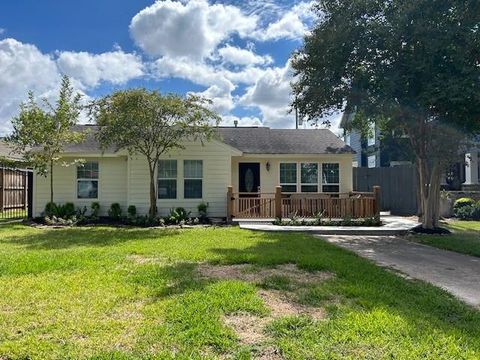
x=249 y=177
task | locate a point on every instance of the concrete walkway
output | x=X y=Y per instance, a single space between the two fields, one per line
x=459 y=274
x=392 y=225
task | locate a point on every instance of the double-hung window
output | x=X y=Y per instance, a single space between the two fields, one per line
x=288 y=177
x=309 y=177
x=330 y=177
x=167 y=179
x=192 y=179
x=87 y=180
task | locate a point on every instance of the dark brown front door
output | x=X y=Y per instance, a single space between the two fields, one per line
x=249 y=177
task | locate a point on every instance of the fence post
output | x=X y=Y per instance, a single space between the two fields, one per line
x=2 y=189
x=376 y=193
x=229 y=203
x=278 y=202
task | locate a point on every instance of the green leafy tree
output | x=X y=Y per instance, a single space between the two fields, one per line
x=40 y=132
x=150 y=124
x=410 y=66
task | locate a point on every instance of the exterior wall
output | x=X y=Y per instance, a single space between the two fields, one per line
x=216 y=178
x=270 y=179
x=354 y=139
x=112 y=185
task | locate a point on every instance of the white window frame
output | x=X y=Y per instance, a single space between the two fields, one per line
x=330 y=184
x=309 y=184
x=87 y=179
x=159 y=178
x=372 y=136
x=296 y=176
x=193 y=178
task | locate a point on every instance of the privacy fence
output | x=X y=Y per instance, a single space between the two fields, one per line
x=15 y=193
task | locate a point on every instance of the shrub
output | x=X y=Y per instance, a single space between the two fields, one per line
x=202 y=210
x=178 y=215
x=115 y=211
x=469 y=212
x=462 y=202
x=51 y=209
x=95 y=207
x=68 y=210
x=132 y=211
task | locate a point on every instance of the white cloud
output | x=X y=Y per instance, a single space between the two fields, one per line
x=23 y=68
x=229 y=120
x=237 y=56
x=291 y=25
x=193 y=29
x=116 y=67
x=222 y=99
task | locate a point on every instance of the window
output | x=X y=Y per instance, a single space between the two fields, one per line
x=309 y=177
x=193 y=179
x=330 y=177
x=87 y=180
x=372 y=161
x=167 y=179
x=288 y=177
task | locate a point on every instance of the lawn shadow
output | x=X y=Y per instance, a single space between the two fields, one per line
x=46 y=239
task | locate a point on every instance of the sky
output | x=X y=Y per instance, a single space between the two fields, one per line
x=234 y=52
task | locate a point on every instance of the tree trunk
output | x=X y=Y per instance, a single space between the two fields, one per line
x=429 y=185
x=153 y=195
x=51 y=181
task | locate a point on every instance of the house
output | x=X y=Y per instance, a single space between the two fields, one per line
x=252 y=160
x=375 y=150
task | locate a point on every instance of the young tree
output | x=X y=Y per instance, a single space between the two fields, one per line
x=412 y=66
x=150 y=124
x=41 y=132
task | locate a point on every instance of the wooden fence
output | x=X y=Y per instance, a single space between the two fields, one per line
x=13 y=193
x=353 y=205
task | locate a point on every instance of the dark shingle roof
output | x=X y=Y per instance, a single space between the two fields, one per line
x=283 y=141
x=252 y=140
x=6 y=151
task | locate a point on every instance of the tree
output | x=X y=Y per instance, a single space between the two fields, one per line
x=41 y=132
x=150 y=124
x=411 y=66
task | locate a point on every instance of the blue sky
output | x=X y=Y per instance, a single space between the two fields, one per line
x=234 y=52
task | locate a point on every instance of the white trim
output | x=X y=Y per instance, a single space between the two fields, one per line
x=77 y=179
x=193 y=178
x=157 y=195
x=319 y=183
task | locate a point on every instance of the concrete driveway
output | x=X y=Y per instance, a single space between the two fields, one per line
x=456 y=273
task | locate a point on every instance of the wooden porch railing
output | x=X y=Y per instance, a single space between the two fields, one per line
x=354 y=205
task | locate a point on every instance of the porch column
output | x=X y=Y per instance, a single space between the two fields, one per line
x=471 y=168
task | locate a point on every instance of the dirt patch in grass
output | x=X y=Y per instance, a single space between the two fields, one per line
x=144 y=259
x=282 y=304
x=246 y=272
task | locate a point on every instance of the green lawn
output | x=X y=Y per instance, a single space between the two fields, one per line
x=105 y=293
x=465 y=238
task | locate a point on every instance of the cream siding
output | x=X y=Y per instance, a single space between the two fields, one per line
x=270 y=179
x=216 y=178
x=111 y=188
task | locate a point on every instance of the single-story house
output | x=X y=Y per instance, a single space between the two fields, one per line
x=250 y=159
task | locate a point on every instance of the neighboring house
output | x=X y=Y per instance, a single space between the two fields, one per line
x=251 y=159
x=7 y=153
x=373 y=150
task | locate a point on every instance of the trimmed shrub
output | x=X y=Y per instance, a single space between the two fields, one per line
x=68 y=210
x=461 y=202
x=132 y=211
x=51 y=209
x=115 y=211
x=95 y=207
x=468 y=212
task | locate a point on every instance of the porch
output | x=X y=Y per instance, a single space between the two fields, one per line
x=354 y=205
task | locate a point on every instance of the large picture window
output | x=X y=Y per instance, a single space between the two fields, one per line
x=167 y=179
x=309 y=177
x=330 y=177
x=87 y=180
x=192 y=179
x=288 y=177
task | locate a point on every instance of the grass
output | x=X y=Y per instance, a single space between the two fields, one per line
x=465 y=238
x=106 y=293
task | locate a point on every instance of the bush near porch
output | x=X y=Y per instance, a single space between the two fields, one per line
x=111 y=293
